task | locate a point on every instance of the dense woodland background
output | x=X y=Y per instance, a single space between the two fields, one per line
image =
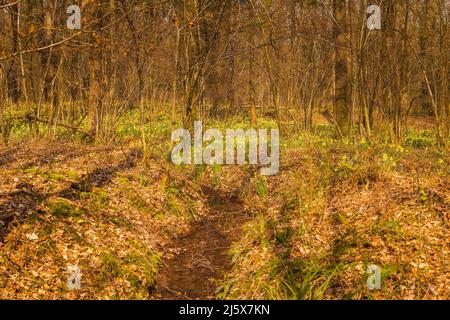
x=86 y=181
x=219 y=58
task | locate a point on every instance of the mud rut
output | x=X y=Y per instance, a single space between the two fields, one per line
x=198 y=259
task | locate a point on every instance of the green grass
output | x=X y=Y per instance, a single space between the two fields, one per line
x=261 y=186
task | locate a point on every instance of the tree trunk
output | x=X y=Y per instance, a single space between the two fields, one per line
x=342 y=90
x=95 y=75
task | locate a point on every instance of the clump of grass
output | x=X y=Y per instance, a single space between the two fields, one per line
x=309 y=279
x=173 y=206
x=139 y=268
x=74 y=235
x=345 y=167
x=260 y=231
x=46 y=246
x=111 y=266
x=147 y=264
x=199 y=169
x=140 y=204
x=216 y=172
x=178 y=202
x=261 y=186
x=291 y=204
x=390 y=229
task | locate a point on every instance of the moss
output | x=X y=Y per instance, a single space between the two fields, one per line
x=45 y=247
x=147 y=265
x=111 y=266
x=120 y=221
x=96 y=200
x=139 y=268
x=123 y=180
x=63 y=209
x=46 y=230
x=74 y=235
x=59 y=175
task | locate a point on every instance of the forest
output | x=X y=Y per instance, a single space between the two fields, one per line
x=224 y=149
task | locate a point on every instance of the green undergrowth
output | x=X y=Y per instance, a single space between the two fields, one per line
x=138 y=267
x=302 y=246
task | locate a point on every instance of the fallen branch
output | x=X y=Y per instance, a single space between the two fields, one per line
x=30 y=117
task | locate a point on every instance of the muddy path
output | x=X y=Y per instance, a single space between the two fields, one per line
x=197 y=260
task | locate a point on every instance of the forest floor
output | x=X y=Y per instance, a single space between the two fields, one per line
x=94 y=207
x=226 y=232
